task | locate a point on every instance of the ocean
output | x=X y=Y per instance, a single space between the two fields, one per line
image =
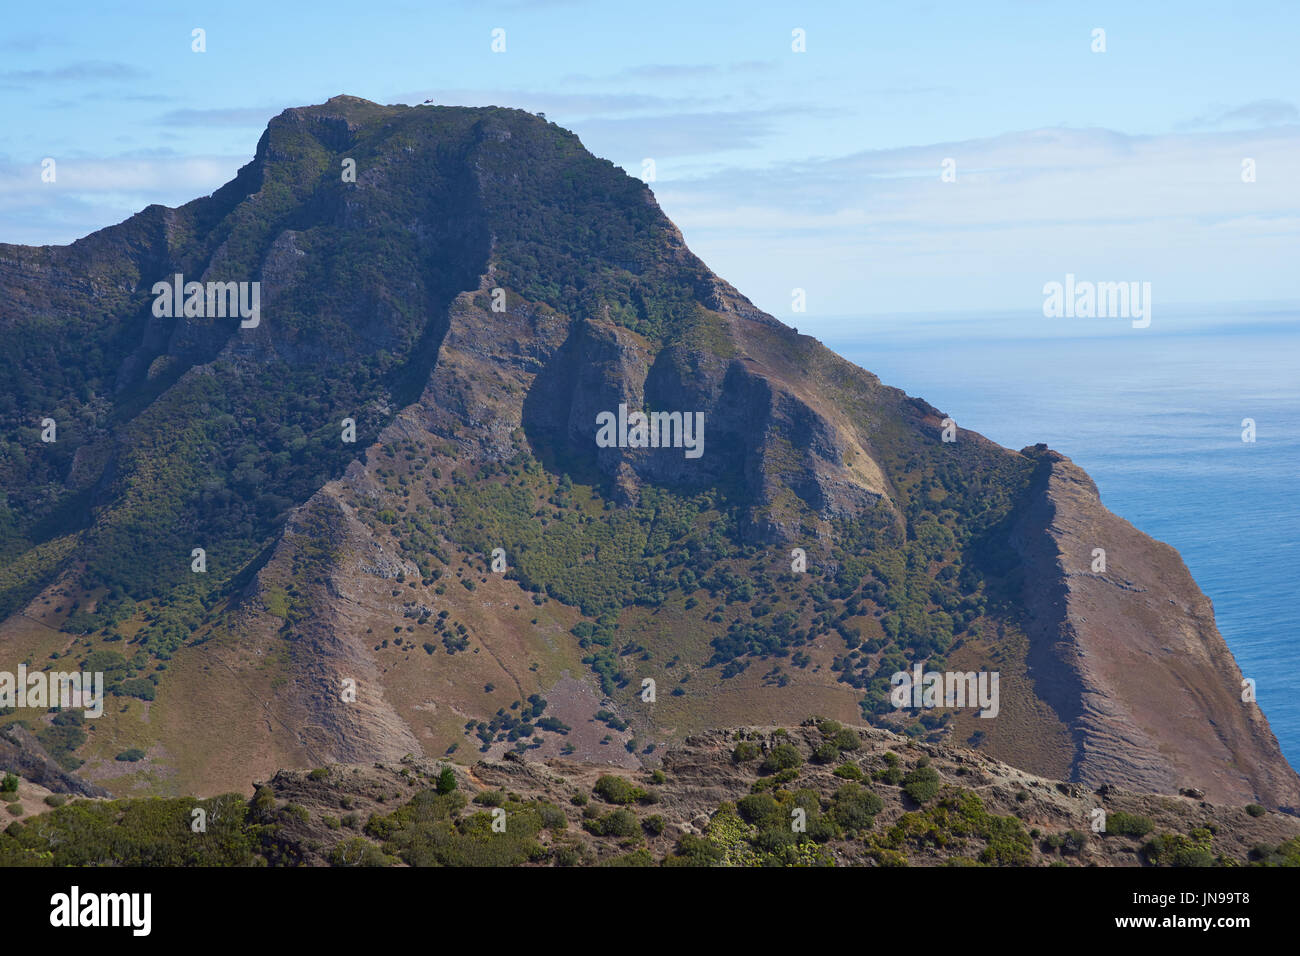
x=1155 y=416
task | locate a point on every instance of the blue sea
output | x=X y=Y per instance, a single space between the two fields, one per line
x=1155 y=416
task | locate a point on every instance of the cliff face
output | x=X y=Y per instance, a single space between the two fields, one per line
x=1130 y=656
x=478 y=570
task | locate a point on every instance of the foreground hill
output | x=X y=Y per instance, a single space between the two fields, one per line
x=479 y=571
x=817 y=795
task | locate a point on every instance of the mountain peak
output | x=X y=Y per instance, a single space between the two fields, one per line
x=500 y=449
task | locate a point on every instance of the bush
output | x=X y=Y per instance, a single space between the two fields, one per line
x=1127 y=824
x=553 y=818
x=783 y=757
x=694 y=850
x=616 y=790
x=131 y=756
x=1074 y=842
x=9 y=784
x=847 y=739
x=890 y=775
x=745 y=751
x=826 y=753
x=1173 y=849
x=55 y=799
x=358 y=851
x=446 y=781
x=854 y=807
x=922 y=784
x=1255 y=810
x=616 y=823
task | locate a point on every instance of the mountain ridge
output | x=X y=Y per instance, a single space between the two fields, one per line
x=378 y=305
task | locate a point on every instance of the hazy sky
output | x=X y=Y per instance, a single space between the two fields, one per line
x=818 y=170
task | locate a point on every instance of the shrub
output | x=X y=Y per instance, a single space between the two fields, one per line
x=617 y=823
x=745 y=751
x=131 y=755
x=847 y=739
x=1127 y=824
x=9 y=784
x=553 y=818
x=616 y=790
x=890 y=775
x=922 y=784
x=446 y=781
x=55 y=799
x=1173 y=849
x=567 y=855
x=1255 y=810
x=1074 y=842
x=783 y=757
x=826 y=753
x=694 y=850
x=854 y=807
x=358 y=851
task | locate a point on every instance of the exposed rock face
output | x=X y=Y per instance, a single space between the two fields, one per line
x=22 y=754
x=1130 y=657
x=482 y=292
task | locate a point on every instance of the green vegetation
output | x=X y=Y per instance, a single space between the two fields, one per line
x=922 y=784
x=782 y=757
x=1176 y=849
x=143 y=832
x=955 y=823
x=619 y=791
x=1127 y=824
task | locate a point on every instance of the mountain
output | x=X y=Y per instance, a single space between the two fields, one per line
x=497 y=562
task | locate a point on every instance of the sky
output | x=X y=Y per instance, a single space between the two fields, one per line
x=819 y=170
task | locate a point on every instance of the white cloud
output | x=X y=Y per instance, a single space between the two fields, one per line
x=880 y=229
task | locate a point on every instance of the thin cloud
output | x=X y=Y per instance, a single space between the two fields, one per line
x=84 y=71
x=255 y=116
x=682 y=134
x=672 y=71
x=30 y=42
x=1256 y=114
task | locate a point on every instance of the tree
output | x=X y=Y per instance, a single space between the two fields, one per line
x=446 y=781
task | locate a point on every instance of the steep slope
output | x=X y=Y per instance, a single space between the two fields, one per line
x=478 y=570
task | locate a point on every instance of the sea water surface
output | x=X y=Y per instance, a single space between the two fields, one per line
x=1155 y=416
